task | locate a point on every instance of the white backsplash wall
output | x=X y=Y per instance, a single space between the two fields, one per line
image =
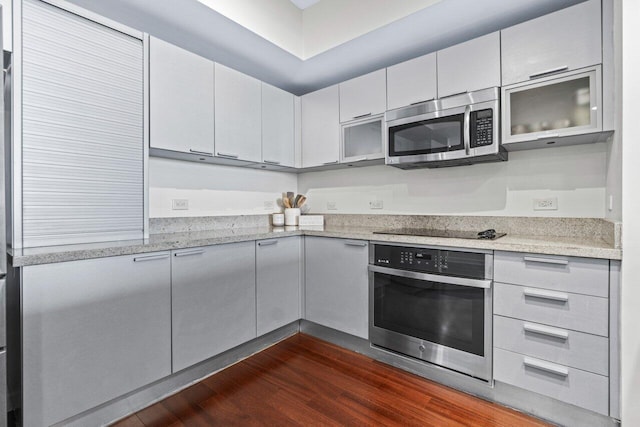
x=213 y=190
x=575 y=175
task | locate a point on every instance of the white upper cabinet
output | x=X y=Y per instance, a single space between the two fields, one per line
x=412 y=82
x=469 y=66
x=181 y=95
x=278 y=125
x=238 y=115
x=320 y=127
x=565 y=40
x=363 y=96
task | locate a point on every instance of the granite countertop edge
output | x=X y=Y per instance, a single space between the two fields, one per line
x=588 y=248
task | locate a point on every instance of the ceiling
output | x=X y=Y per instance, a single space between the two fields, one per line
x=303 y=4
x=196 y=27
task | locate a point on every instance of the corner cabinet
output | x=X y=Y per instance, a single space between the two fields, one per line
x=278 y=271
x=238 y=115
x=278 y=126
x=321 y=127
x=337 y=284
x=181 y=99
x=213 y=303
x=92 y=330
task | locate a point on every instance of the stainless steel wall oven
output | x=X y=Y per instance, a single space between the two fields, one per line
x=434 y=305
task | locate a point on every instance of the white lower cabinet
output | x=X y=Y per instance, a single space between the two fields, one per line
x=92 y=330
x=551 y=327
x=213 y=303
x=336 y=284
x=277 y=283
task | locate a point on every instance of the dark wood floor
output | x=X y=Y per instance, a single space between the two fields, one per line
x=307 y=382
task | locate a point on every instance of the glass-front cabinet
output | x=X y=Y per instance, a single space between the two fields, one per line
x=550 y=108
x=362 y=140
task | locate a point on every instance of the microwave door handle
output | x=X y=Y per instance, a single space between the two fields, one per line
x=467 y=130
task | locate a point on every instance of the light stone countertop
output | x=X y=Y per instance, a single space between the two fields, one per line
x=589 y=247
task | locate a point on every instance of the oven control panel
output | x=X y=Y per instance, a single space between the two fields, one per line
x=426 y=260
x=481 y=128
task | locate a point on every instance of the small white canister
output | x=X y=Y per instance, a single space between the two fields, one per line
x=291 y=216
x=277 y=219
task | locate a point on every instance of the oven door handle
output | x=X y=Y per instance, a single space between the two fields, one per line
x=449 y=280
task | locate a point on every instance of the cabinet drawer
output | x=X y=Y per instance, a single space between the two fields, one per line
x=569 y=385
x=587 y=276
x=576 y=349
x=560 y=309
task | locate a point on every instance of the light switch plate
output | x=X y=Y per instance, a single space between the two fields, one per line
x=376 y=204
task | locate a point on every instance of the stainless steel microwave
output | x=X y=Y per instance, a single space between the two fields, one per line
x=458 y=130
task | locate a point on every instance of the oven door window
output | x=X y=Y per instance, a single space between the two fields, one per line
x=427 y=136
x=449 y=315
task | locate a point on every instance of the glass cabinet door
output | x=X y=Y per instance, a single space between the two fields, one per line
x=562 y=105
x=362 y=140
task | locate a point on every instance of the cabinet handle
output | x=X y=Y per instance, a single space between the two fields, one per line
x=201 y=153
x=189 y=253
x=546 y=366
x=268 y=243
x=150 y=258
x=455 y=94
x=543 y=294
x=331 y=163
x=548 y=135
x=230 y=156
x=361 y=116
x=546 y=330
x=546 y=260
x=548 y=72
x=358 y=244
x=420 y=102
x=359 y=159
x=270 y=162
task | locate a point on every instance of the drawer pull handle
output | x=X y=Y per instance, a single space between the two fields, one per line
x=546 y=330
x=358 y=244
x=268 y=243
x=150 y=258
x=189 y=253
x=543 y=294
x=227 y=155
x=201 y=153
x=330 y=163
x=546 y=260
x=546 y=366
x=549 y=72
x=271 y=162
x=361 y=116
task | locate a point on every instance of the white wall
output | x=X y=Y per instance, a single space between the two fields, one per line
x=278 y=21
x=631 y=216
x=214 y=190
x=575 y=175
x=330 y=23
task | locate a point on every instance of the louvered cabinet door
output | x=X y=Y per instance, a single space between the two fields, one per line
x=82 y=129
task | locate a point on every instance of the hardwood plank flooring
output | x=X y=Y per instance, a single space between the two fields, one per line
x=303 y=381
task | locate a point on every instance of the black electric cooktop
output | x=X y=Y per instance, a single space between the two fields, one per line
x=456 y=234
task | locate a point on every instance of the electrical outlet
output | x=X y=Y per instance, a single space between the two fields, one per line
x=548 y=204
x=331 y=206
x=269 y=205
x=376 y=204
x=180 y=204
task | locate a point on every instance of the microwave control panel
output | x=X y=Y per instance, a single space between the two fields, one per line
x=481 y=128
x=434 y=261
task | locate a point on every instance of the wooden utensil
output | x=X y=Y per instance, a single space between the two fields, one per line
x=297 y=201
x=290 y=196
x=285 y=203
x=301 y=201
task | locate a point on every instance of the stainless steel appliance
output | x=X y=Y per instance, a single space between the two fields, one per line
x=458 y=130
x=434 y=305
